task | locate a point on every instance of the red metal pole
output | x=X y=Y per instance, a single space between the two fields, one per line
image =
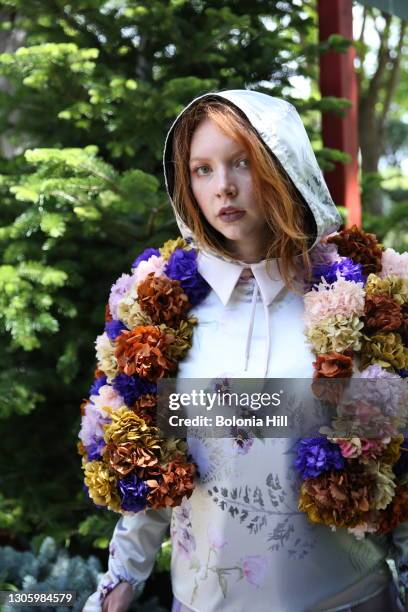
x=338 y=78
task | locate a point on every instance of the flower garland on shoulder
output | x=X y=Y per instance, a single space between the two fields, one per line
x=128 y=465
x=358 y=306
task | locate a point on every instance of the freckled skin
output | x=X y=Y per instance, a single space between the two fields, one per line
x=221 y=176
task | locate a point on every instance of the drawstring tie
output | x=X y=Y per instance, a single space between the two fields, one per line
x=251 y=327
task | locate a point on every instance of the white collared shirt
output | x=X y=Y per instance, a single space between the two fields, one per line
x=240 y=542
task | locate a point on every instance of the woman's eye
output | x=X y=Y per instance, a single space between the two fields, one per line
x=201 y=170
x=244 y=161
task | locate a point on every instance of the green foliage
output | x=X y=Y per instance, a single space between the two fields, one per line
x=88 y=101
x=51 y=569
x=163 y=558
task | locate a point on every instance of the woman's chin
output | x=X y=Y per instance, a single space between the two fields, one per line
x=233 y=234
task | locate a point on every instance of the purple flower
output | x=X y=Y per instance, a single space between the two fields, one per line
x=182 y=266
x=133 y=493
x=345 y=267
x=132 y=387
x=318 y=455
x=119 y=289
x=114 y=328
x=403 y=373
x=94 y=450
x=147 y=253
x=401 y=467
x=97 y=384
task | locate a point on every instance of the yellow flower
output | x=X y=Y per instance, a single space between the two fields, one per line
x=336 y=333
x=391 y=286
x=385 y=350
x=101 y=485
x=183 y=335
x=170 y=246
x=130 y=312
x=127 y=426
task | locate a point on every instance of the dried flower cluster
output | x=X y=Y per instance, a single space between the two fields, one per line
x=358 y=305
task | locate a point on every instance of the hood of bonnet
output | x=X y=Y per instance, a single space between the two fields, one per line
x=280 y=127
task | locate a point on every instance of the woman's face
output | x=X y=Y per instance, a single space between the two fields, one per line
x=222 y=185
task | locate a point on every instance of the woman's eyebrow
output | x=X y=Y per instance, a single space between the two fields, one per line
x=203 y=157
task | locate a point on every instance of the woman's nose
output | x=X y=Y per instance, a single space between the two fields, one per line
x=225 y=184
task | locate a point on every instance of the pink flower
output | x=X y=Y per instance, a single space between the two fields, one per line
x=107 y=397
x=92 y=425
x=341 y=298
x=255 y=568
x=394 y=263
x=153 y=265
x=351 y=448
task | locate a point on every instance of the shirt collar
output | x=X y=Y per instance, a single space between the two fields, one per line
x=222 y=276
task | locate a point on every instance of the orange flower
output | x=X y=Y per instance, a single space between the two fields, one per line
x=145 y=407
x=382 y=313
x=175 y=481
x=125 y=457
x=333 y=365
x=163 y=299
x=360 y=247
x=143 y=350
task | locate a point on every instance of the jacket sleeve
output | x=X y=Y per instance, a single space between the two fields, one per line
x=132 y=552
x=400 y=553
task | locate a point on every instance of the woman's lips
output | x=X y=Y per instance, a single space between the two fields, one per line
x=228 y=215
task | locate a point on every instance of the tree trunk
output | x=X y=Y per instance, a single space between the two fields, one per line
x=10 y=41
x=371 y=120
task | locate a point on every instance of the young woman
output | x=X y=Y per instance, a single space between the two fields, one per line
x=246 y=188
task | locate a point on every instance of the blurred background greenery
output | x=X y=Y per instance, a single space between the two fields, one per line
x=88 y=89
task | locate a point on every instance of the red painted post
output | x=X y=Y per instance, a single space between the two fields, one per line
x=338 y=78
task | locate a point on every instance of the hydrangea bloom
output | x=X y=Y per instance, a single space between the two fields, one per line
x=114 y=328
x=97 y=384
x=336 y=333
x=133 y=493
x=345 y=268
x=383 y=389
x=147 y=253
x=154 y=265
x=182 y=266
x=107 y=396
x=351 y=448
x=318 y=455
x=132 y=387
x=118 y=291
x=394 y=263
x=92 y=431
x=342 y=298
x=105 y=354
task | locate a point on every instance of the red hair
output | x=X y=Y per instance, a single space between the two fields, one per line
x=290 y=221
